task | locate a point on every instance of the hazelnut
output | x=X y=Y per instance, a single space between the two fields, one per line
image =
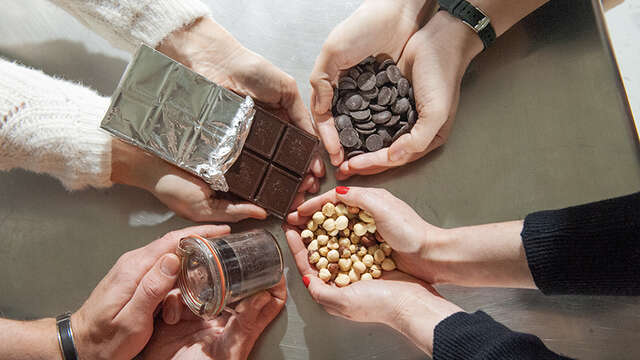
x=388 y=264
x=334 y=232
x=344 y=242
x=324 y=274
x=322 y=263
x=346 y=253
x=323 y=251
x=333 y=256
x=367 y=241
x=359 y=229
x=333 y=244
x=342 y=280
x=313 y=246
x=333 y=268
x=378 y=256
x=312 y=225
x=366 y=276
x=345 y=264
x=328 y=209
x=371 y=228
x=346 y=232
x=367 y=260
x=329 y=224
x=342 y=222
x=317 y=217
x=365 y=216
x=352 y=209
x=386 y=248
x=341 y=209
x=372 y=249
x=359 y=267
x=306 y=234
x=320 y=232
x=322 y=240
x=375 y=271
x=354 y=258
x=353 y=248
x=354 y=276
x=355 y=239
x=314 y=257
x=362 y=251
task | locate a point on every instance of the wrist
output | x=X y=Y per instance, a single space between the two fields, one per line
x=204 y=46
x=454 y=37
x=130 y=165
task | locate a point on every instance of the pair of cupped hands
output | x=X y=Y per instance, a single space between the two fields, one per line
x=433 y=56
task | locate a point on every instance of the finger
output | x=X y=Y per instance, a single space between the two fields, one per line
x=248 y=309
x=324 y=294
x=153 y=288
x=315 y=187
x=306 y=183
x=375 y=201
x=297 y=200
x=296 y=109
x=317 y=166
x=299 y=251
x=279 y=291
x=172 y=308
x=296 y=219
x=344 y=172
x=329 y=137
x=312 y=205
x=227 y=211
x=169 y=242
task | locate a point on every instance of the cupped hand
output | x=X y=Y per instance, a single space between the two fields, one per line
x=376 y=27
x=117 y=319
x=410 y=237
x=179 y=334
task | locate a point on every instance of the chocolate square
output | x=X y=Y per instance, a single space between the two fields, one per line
x=265 y=133
x=277 y=191
x=245 y=175
x=294 y=152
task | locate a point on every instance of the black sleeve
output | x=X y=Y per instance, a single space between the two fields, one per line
x=589 y=249
x=478 y=337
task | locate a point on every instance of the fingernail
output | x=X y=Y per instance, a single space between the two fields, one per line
x=171 y=316
x=397 y=155
x=306 y=281
x=342 y=190
x=170 y=265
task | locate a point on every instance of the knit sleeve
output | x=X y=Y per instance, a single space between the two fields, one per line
x=478 y=337
x=51 y=126
x=587 y=249
x=126 y=23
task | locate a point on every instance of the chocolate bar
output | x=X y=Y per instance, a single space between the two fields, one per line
x=272 y=164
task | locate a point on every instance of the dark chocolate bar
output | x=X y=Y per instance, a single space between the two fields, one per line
x=273 y=162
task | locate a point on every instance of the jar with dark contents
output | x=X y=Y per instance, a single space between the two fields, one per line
x=220 y=271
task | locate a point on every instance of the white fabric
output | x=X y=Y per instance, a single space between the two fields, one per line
x=50 y=125
x=126 y=23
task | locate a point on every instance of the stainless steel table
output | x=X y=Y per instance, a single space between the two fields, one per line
x=543 y=123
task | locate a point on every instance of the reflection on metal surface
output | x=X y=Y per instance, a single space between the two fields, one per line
x=542 y=123
x=177 y=114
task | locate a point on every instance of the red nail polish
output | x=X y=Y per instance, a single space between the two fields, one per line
x=306 y=281
x=342 y=190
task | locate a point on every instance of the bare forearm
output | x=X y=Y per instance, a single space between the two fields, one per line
x=482 y=255
x=29 y=340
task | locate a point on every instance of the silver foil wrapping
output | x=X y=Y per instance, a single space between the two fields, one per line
x=177 y=114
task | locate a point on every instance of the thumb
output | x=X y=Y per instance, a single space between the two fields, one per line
x=153 y=287
x=324 y=72
x=368 y=199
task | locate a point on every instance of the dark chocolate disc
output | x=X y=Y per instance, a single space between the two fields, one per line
x=346 y=83
x=361 y=114
x=384 y=95
x=394 y=96
x=377 y=108
x=373 y=142
x=370 y=94
x=412 y=117
x=401 y=106
x=365 y=132
x=368 y=60
x=411 y=98
x=365 y=126
x=381 y=78
x=334 y=101
x=403 y=130
x=365 y=105
x=381 y=117
x=341 y=108
x=385 y=64
x=384 y=134
x=403 y=87
x=353 y=73
x=366 y=81
x=393 y=121
x=343 y=122
x=349 y=137
x=353 y=101
x=394 y=74
x=354 y=153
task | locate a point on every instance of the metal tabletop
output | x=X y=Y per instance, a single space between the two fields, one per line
x=543 y=123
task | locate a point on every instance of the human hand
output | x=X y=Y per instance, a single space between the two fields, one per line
x=210 y=50
x=376 y=27
x=116 y=321
x=398 y=300
x=410 y=237
x=182 y=335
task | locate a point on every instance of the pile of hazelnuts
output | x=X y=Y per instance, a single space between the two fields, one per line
x=344 y=245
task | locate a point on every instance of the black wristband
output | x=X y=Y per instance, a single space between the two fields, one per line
x=475 y=18
x=65 y=337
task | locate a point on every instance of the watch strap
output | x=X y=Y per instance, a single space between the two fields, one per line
x=65 y=337
x=472 y=16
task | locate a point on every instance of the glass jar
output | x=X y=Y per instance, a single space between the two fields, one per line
x=219 y=271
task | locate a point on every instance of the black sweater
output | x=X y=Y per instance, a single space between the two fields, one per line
x=588 y=249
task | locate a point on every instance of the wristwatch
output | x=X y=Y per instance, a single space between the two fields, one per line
x=65 y=337
x=473 y=16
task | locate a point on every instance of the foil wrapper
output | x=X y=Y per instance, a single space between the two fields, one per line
x=177 y=114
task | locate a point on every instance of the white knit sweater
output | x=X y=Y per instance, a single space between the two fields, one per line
x=50 y=125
